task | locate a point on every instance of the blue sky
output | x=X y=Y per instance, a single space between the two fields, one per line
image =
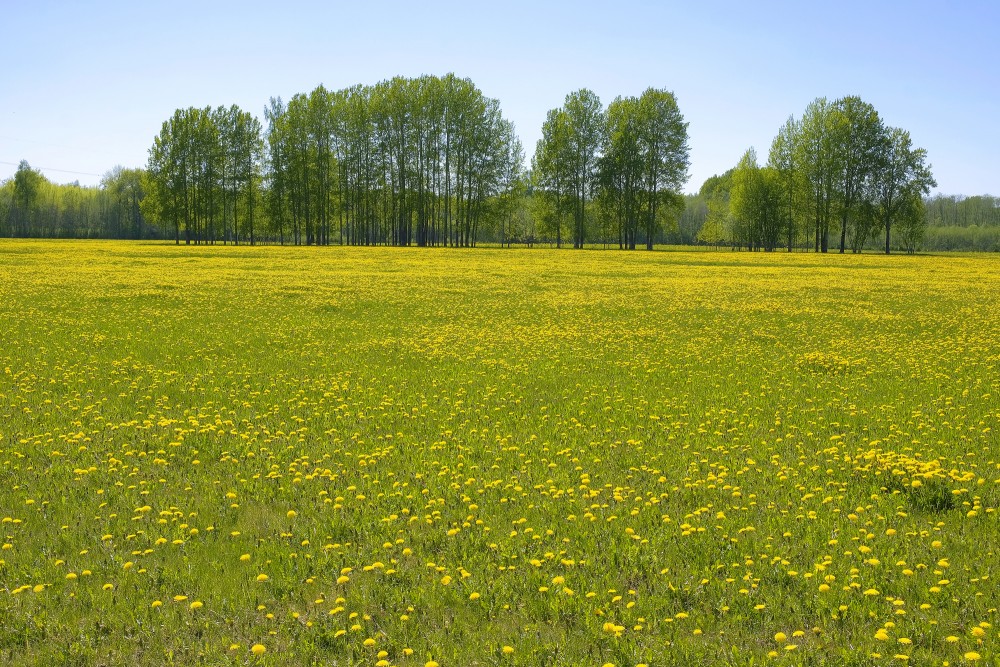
x=86 y=86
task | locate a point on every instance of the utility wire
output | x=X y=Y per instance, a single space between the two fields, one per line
x=62 y=171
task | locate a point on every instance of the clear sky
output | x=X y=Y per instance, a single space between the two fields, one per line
x=86 y=85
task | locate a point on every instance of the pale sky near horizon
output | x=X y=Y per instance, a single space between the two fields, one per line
x=85 y=86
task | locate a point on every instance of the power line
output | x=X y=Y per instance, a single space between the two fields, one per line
x=62 y=171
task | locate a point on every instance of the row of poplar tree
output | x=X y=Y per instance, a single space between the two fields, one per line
x=425 y=161
x=838 y=174
x=432 y=161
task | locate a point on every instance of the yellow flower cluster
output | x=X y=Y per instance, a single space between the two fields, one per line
x=448 y=457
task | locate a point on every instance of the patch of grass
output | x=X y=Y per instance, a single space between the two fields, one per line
x=626 y=458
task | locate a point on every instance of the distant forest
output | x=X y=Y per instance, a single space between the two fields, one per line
x=431 y=161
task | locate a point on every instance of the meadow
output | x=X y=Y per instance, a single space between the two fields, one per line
x=410 y=457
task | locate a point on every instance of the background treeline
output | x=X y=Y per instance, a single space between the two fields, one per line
x=32 y=206
x=432 y=161
x=963 y=223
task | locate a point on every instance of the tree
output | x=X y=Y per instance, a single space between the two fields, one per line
x=124 y=188
x=276 y=167
x=756 y=203
x=911 y=224
x=663 y=140
x=817 y=158
x=586 y=120
x=644 y=164
x=782 y=159
x=903 y=177
x=857 y=136
x=716 y=193
x=203 y=172
x=27 y=185
x=553 y=168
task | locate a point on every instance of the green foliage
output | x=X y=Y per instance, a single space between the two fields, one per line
x=644 y=165
x=951 y=238
x=566 y=161
x=755 y=204
x=203 y=175
x=717 y=227
x=33 y=206
x=425 y=161
x=839 y=168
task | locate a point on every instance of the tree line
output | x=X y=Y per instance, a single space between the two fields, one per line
x=836 y=176
x=432 y=161
x=31 y=206
x=426 y=161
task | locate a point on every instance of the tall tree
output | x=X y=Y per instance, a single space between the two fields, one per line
x=756 y=204
x=552 y=167
x=587 y=125
x=819 y=163
x=782 y=159
x=857 y=137
x=663 y=140
x=27 y=189
x=902 y=178
x=644 y=164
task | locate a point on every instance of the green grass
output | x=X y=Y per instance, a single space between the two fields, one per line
x=591 y=458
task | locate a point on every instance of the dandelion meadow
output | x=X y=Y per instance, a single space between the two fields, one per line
x=385 y=456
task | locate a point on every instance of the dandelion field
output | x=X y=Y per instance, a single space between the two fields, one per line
x=386 y=456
